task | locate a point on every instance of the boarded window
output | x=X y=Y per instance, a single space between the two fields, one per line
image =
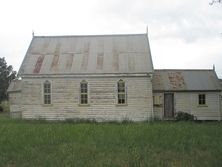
x=157 y=100
x=202 y=99
x=121 y=92
x=47 y=92
x=83 y=92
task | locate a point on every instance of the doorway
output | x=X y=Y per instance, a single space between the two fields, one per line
x=168 y=105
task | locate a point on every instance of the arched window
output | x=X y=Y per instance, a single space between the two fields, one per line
x=47 y=92
x=83 y=92
x=121 y=92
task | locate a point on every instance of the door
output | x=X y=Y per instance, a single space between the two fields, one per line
x=168 y=105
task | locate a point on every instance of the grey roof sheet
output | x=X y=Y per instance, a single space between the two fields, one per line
x=185 y=80
x=88 y=54
x=15 y=86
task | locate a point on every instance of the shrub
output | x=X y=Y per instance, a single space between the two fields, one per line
x=1 y=109
x=183 y=116
x=4 y=106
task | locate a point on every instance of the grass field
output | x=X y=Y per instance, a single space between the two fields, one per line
x=39 y=143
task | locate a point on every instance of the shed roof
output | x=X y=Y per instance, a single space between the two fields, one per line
x=220 y=83
x=95 y=54
x=185 y=80
x=15 y=86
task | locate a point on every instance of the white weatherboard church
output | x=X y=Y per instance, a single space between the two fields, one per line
x=105 y=78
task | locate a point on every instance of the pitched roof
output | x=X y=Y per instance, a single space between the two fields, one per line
x=185 y=80
x=15 y=86
x=96 y=54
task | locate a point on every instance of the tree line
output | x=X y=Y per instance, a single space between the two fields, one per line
x=7 y=74
x=215 y=1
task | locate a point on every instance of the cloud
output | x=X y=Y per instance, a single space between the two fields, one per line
x=184 y=31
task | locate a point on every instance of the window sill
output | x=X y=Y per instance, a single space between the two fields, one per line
x=202 y=105
x=47 y=105
x=121 y=105
x=84 y=105
x=158 y=105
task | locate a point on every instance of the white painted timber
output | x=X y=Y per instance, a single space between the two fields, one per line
x=188 y=102
x=102 y=99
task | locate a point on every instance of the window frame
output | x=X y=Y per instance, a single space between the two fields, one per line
x=124 y=93
x=157 y=100
x=202 y=100
x=84 y=93
x=44 y=94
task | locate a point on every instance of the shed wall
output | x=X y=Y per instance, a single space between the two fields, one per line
x=15 y=104
x=188 y=102
x=102 y=99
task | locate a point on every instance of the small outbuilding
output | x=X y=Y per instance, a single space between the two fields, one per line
x=14 y=91
x=197 y=92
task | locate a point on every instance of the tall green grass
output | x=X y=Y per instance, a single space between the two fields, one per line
x=39 y=143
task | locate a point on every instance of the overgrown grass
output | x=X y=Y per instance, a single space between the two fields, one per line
x=39 y=143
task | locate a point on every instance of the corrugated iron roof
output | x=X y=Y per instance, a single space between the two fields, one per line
x=88 y=54
x=15 y=86
x=185 y=80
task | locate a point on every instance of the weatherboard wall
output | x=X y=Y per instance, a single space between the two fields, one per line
x=102 y=99
x=188 y=102
x=15 y=104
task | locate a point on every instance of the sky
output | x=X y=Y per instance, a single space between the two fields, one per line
x=183 y=34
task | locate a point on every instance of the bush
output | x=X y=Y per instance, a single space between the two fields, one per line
x=4 y=106
x=183 y=116
x=1 y=109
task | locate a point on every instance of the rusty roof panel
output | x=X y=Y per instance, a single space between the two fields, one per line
x=85 y=58
x=55 y=62
x=38 y=64
x=89 y=54
x=69 y=62
x=176 y=80
x=157 y=82
x=100 y=61
x=185 y=80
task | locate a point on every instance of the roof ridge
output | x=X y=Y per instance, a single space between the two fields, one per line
x=183 y=70
x=96 y=35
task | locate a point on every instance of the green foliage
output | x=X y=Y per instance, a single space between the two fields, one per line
x=183 y=116
x=4 y=106
x=6 y=75
x=215 y=1
x=42 y=143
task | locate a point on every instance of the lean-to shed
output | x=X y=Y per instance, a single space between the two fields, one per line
x=14 y=91
x=99 y=77
x=196 y=92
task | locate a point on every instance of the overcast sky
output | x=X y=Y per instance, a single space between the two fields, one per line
x=182 y=33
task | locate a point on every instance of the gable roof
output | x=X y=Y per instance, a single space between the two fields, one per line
x=185 y=80
x=95 y=54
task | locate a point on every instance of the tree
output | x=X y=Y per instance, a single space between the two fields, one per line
x=6 y=76
x=215 y=1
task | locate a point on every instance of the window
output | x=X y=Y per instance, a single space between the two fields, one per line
x=121 y=92
x=83 y=92
x=202 y=99
x=47 y=92
x=157 y=101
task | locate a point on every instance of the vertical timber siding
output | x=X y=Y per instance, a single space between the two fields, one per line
x=102 y=99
